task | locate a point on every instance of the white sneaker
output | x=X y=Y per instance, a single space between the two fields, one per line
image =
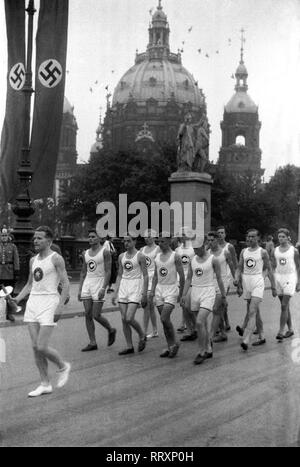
x=41 y=390
x=63 y=375
x=153 y=334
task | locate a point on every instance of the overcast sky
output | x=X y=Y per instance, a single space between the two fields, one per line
x=104 y=35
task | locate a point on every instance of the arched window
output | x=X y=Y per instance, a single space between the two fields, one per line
x=240 y=140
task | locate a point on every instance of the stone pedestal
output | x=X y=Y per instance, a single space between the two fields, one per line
x=193 y=187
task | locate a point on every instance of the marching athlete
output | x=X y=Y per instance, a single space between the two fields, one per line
x=94 y=279
x=150 y=252
x=223 y=257
x=165 y=287
x=203 y=270
x=253 y=260
x=287 y=277
x=131 y=290
x=44 y=307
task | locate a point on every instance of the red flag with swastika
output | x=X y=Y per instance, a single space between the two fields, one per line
x=51 y=52
x=12 y=131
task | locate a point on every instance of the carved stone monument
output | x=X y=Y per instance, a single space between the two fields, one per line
x=191 y=183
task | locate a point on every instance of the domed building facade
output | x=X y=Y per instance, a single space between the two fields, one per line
x=240 y=153
x=67 y=156
x=157 y=91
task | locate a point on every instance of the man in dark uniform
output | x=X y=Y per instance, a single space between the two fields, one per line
x=9 y=264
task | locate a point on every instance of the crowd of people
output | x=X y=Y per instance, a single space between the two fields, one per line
x=195 y=271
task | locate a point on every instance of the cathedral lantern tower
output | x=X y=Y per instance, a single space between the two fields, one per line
x=157 y=91
x=240 y=153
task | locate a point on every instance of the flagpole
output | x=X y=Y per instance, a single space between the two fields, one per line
x=23 y=207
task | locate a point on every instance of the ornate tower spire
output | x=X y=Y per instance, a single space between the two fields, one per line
x=241 y=73
x=159 y=32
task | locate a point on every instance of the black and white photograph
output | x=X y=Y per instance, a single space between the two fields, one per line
x=149 y=226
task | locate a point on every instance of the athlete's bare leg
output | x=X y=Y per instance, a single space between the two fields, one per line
x=89 y=320
x=165 y=316
x=202 y=330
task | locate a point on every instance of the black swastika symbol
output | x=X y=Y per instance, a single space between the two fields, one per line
x=17 y=76
x=53 y=73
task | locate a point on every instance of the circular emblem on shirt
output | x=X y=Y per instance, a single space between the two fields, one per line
x=38 y=274
x=250 y=263
x=128 y=266
x=282 y=261
x=148 y=261
x=185 y=259
x=198 y=272
x=92 y=265
x=163 y=272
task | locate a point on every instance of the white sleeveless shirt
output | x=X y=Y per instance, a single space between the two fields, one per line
x=131 y=267
x=45 y=277
x=203 y=272
x=150 y=258
x=285 y=262
x=95 y=264
x=221 y=258
x=166 y=270
x=186 y=253
x=253 y=262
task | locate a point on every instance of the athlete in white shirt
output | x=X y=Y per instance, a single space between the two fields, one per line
x=165 y=287
x=150 y=252
x=253 y=261
x=44 y=307
x=287 y=277
x=229 y=248
x=131 y=290
x=203 y=271
x=94 y=280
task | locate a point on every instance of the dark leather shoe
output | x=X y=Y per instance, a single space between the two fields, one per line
x=199 y=359
x=259 y=342
x=189 y=337
x=111 y=337
x=240 y=330
x=90 y=348
x=10 y=318
x=244 y=346
x=126 y=351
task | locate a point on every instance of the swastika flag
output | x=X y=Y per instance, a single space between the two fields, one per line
x=51 y=52
x=12 y=131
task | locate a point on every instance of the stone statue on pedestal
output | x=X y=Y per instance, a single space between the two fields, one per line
x=193 y=142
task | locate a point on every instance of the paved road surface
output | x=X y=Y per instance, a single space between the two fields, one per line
x=235 y=399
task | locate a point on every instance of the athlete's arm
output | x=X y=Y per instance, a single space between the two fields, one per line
x=267 y=266
x=59 y=264
x=297 y=263
x=154 y=281
x=179 y=269
x=107 y=272
x=217 y=270
x=187 y=284
x=27 y=288
x=119 y=277
x=82 y=277
x=273 y=259
x=232 y=252
x=239 y=270
x=142 y=263
x=230 y=263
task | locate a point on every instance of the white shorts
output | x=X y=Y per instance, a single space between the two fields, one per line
x=91 y=288
x=203 y=297
x=40 y=309
x=253 y=285
x=225 y=282
x=166 y=294
x=130 y=291
x=286 y=284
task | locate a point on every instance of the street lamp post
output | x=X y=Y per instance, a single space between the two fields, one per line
x=23 y=207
